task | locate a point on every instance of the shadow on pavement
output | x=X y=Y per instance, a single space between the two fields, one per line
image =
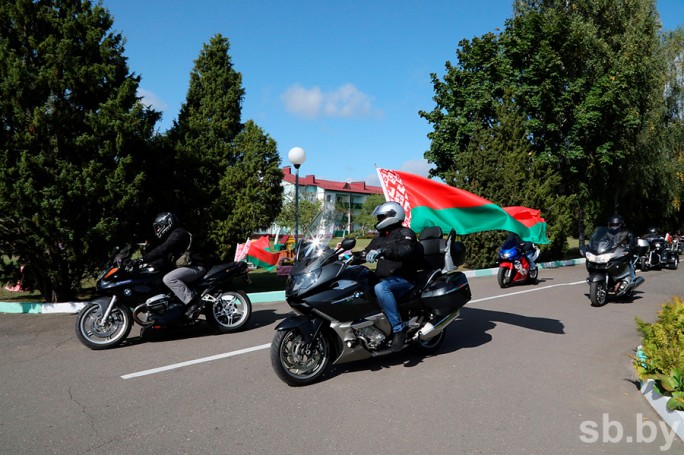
x=469 y=331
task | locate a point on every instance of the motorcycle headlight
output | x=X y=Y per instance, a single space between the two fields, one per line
x=302 y=282
x=598 y=258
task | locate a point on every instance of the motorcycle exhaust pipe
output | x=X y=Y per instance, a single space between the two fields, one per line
x=430 y=330
x=638 y=281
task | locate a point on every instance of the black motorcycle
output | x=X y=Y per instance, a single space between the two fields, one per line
x=661 y=254
x=610 y=267
x=339 y=319
x=133 y=291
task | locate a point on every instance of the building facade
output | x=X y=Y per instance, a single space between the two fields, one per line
x=332 y=195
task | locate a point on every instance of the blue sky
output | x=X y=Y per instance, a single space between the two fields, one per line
x=343 y=80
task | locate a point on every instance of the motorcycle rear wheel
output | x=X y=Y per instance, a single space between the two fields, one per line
x=675 y=263
x=432 y=344
x=533 y=275
x=97 y=335
x=296 y=362
x=598 y=293
x=230 y=312
x=504 y=277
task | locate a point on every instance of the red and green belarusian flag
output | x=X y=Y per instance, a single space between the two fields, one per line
x=431 y=203
x=258 y=254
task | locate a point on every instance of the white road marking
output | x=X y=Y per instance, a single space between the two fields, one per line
x=526 y=291
x=196 y=361
x=268 y=345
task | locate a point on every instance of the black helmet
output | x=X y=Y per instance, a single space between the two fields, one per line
x=615 y=223
x=389 y=213
x=653 y=231
x=164 y=223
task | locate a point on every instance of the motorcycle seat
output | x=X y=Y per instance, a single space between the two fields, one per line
x=433 y=247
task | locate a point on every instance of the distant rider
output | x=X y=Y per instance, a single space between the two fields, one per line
x=175 y=242
x=622 y=236
x=394 y=248
x=527 y=247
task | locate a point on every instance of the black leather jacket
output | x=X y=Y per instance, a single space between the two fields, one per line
x=165 y=254
x=400 y=252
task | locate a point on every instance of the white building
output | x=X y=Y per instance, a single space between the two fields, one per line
x=330 y=193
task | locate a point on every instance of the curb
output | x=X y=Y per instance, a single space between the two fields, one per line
x=675 y=419
x=256 y=298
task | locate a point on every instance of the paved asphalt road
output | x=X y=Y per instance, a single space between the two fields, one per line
x=526 y=370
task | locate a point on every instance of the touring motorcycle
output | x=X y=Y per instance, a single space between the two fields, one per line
x=610 y=266
x=661 y=254
x=514 y=265
x=338 y=319
x=134 y=291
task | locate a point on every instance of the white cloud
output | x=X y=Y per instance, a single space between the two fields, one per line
x=418 y=167
x=150 y=99
x=345 y=101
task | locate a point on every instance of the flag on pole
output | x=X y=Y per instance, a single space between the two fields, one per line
x=260 y=255
x=431 y=203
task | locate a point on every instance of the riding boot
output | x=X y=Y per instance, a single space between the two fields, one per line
x=398 y=340
x=192 y=306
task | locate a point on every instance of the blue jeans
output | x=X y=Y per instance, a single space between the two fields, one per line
x=387 y=291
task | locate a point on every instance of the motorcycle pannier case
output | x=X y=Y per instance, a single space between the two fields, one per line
x=642 y=247
x=447 y=294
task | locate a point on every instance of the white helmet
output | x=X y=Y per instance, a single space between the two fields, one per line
x=389 y=213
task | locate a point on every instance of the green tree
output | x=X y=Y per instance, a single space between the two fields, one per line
x=309 y=207
x=365 y=217
x=73 y=140
x=228 y=177
x=585 y=79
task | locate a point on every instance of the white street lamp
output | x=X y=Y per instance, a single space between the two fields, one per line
x=296 y=155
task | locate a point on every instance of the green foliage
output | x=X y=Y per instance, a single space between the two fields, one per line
x=365 y=217
x=309 y=207
x=74 y=140
x=562 y=110
x=227 y=176
x=663 y=352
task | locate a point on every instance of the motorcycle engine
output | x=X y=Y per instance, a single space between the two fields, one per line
x=371 y=336
x=157 y=304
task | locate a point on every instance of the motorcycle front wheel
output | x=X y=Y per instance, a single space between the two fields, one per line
x=97 y=334
x=598 y=293
x=297 y=362
x=229 y=312
x=504 y=277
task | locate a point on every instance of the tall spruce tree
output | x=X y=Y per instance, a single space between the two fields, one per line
x=73 y=139
x=229 y=175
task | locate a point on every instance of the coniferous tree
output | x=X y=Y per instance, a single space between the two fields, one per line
x=228 y=180
x=73 y=140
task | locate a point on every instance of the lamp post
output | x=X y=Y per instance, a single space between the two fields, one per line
x=296 y=155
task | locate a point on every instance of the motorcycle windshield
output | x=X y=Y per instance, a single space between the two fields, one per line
x=601 y=240
x=315 y=243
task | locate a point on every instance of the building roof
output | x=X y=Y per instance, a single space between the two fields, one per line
x=343 y=187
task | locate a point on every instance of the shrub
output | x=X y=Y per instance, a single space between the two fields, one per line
x=662 y=353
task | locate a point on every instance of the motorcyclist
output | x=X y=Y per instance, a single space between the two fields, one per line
x=622 y=236
x=394 y=248
x=527 y=247
x=174 y=242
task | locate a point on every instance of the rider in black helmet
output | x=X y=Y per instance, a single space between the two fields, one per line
x=175 y=242
x=622 y=235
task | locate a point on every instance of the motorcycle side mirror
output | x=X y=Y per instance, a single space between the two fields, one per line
x=348 y=243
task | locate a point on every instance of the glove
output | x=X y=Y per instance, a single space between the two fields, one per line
x=372 y=255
